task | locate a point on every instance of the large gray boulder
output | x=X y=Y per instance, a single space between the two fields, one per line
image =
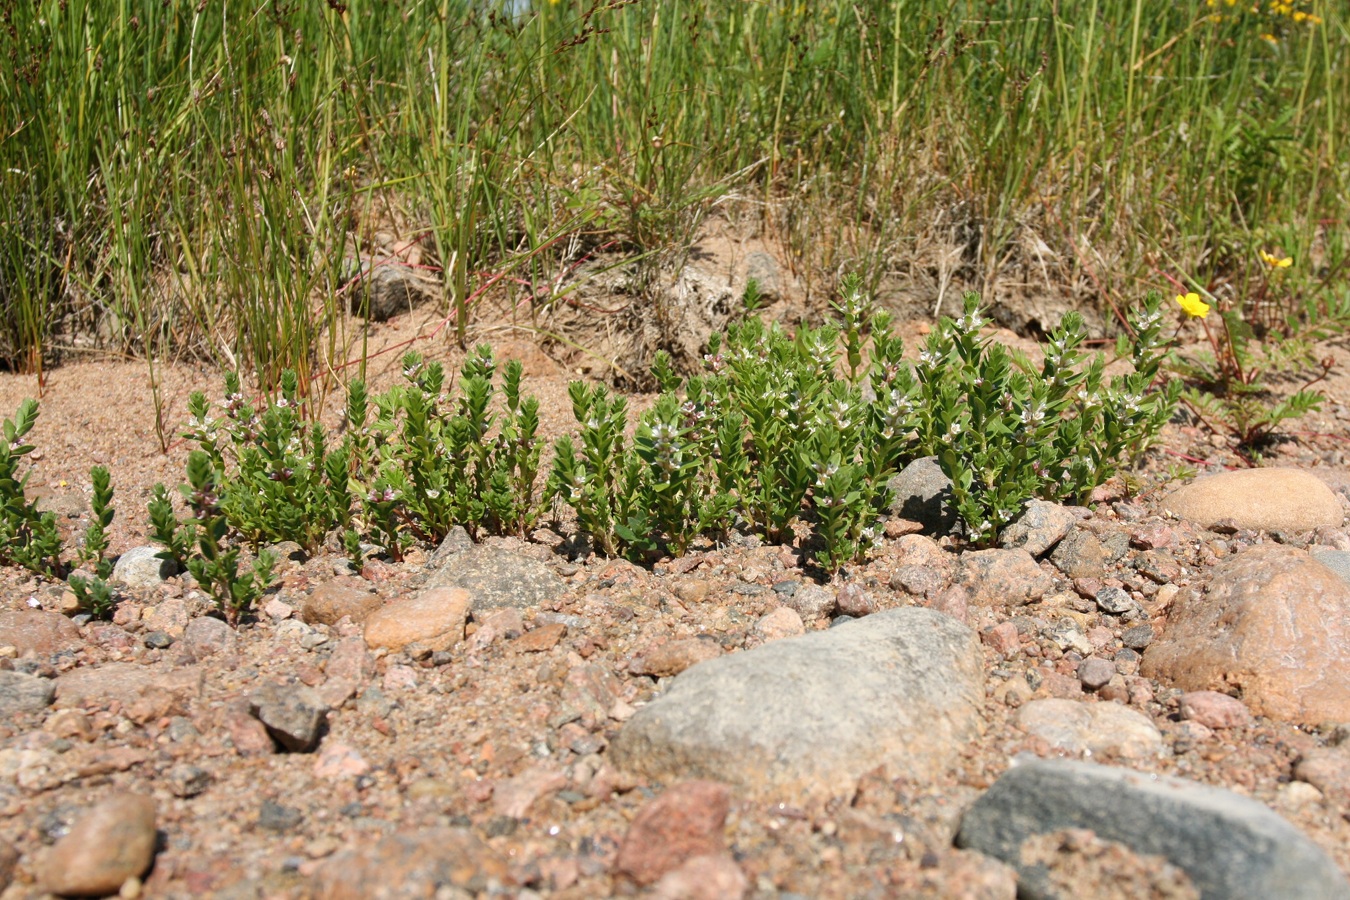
x=1230 y=846
x=805 y=717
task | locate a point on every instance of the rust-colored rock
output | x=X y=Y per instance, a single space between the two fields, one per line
x=418 y=863
x=684 y=822
x=674 y=657
x=38 y=631
x=1273 y=627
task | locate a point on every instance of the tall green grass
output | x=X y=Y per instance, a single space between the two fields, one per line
x=201 y=178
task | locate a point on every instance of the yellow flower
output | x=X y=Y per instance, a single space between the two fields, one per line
x=1276 y=262
x=1192 y=305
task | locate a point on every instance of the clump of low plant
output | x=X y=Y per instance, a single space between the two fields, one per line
x=93 y=592
x=276 y=477
x=28 y=536
x=784 y=432
x=201 y=544
x=1006 y=431
x=427 y=463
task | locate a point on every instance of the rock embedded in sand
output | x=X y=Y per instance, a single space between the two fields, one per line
x=420 y=863
x=111 y=843
x=38 y=631
x=20 y=693
x=1274 y=625
x=1084 y=727
x=434 y=617
x=497 y=578
x=807 y=716
x=1003 y=577
x=1287 y=500
x=331 y=601
x=1229 y=845
x=686 y=821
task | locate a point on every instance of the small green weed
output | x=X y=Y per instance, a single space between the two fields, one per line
x=28 y=537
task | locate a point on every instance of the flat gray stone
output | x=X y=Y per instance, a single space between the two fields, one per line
x=807 y=716
x=497 y=579
x=921 y=492
x=1230 y=846
x=21 y=693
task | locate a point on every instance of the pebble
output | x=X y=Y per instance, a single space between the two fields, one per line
x=685 y=821
x=673 y=657
x=294 y=715
x=1115 y=601
x=812 y=602
x=338 y=761
x=111 y=843
x=208 y=636
x=496 y=578
x=187 y=780
x=423 y=862
x=1137 y=637
x=921 y=492
x=852 y=600
x=1081 y=727
x=708 y=877
x=273 y=816
x=1002 y=577
x=1328 y=770
x=1095 y=672
x=434 y=617
x=158 y=640
x=1040 y=526
x=334 y=600
x=1228 y=845
x=515 y=796
x=140 y=568
x=1214 y=710
x=1002 y=638
x=37 y=631
x=783 y=622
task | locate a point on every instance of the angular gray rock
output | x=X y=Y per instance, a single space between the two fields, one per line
x=807 y=716
x=497 y=579
x=1230 y=846
x=140 y=568
x=1003 y=577
x=294 y=715
x=922 y=492
x=21 y=693
x=1040 y=527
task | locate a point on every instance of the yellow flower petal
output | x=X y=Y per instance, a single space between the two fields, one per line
x=1192 y=305
x=1276 y=262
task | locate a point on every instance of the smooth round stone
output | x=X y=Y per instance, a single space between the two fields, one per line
x=113 y=842
x=1288 y=500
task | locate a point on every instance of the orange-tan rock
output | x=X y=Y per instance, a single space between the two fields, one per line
x=434 y=617
x=1273 y=628
x=1287 y=500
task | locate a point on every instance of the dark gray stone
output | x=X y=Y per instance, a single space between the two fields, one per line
x=294 y=715
x=1137 y=637
x=807 y=716
x=1230 y=846
x=1115 y=601
x=498 y=579
x=159 y=640
x=276 y=817
x=922 y=493
x=188 y=781
x=24 y=693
